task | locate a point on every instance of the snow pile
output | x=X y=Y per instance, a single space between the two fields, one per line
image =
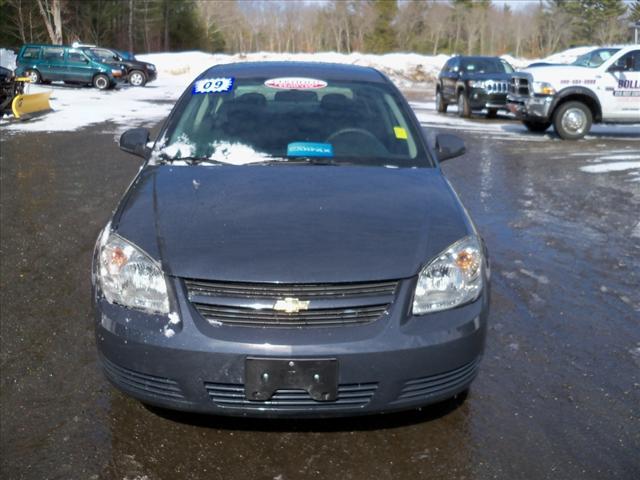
x=75 y=107
x=7 y=59
x=405 y=69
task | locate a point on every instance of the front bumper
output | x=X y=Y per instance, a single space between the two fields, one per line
x=151 y=75
x=530 y=108
x=479 y=98
x=394 y=363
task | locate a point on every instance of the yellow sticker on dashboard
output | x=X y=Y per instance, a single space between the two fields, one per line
x=400 y=132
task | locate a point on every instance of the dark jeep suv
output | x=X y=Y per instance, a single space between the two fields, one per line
x=473 y=83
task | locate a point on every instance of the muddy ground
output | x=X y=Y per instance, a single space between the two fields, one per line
x=558 y=394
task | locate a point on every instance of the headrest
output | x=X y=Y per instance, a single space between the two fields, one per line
x=335 y=101
x=296 y=96
x=252 y=98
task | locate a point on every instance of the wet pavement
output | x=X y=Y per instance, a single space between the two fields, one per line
x=558 y=394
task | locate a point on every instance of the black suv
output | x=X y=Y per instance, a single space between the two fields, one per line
x=473 y=83
x=138 y=73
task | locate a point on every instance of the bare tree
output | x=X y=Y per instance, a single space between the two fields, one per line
x=51 y=11
x=130 y=25
x=18 y=19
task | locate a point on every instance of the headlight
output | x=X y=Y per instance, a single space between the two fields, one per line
x=151 y=67
x=476 y=83
x=129 y=277
x=543 y=88
x=454 y=277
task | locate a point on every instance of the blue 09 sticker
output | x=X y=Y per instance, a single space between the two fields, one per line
x=309 y=149
x=213 y=85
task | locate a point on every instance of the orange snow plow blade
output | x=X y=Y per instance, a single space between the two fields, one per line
x=30 y=103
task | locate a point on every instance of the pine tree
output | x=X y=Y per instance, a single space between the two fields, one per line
x=634 y=11
x=382 y=38
x=597 y=20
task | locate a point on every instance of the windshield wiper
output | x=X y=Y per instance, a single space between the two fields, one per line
x=190 y=160
x=313 y=160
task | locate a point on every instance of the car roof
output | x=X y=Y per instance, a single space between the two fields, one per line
x=477 y=57
x=33 y=45
x=325 y=71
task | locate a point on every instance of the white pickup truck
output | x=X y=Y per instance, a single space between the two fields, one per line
x=573 y=97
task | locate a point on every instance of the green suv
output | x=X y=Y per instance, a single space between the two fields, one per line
x=47 y=63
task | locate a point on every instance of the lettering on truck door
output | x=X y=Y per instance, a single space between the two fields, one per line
x=622 y=89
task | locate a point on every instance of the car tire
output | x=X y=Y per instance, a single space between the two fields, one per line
x=137 y=78
x=572 y=120
x=464 y=109
x=492 y=112
x=536 y=127
x=34 y=76
x=441 y=105
x=101 y=81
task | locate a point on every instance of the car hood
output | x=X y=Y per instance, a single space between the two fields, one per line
x=555 y=72
x=291 y=224
x=135 y=64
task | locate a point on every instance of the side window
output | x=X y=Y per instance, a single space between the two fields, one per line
x=635 y=61
x=31 y=52
x=104 y=55
x=75 y=57
x=629 y=62
x=53 y=53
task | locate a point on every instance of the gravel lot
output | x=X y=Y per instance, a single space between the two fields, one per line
x=558 y=395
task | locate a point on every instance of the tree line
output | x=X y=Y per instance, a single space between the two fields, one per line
x=375 y=26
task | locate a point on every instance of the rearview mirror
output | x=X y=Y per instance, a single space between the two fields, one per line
x=135 y=141
x=449 y=146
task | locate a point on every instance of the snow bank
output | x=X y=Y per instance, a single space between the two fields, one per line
x=76 y=107
x=7 y=59
x=405 y=69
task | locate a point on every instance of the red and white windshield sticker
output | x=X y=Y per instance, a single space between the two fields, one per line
x=295 y=83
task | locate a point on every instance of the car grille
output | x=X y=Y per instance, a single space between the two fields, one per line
x=142 y=382
x=326 y=317
x=301 y=291
x=253 y=304
x=232 y=396
x=497 y=87
x=435 y=384
x=519 y=86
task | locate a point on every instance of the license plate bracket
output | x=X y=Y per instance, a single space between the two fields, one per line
x=263 y=376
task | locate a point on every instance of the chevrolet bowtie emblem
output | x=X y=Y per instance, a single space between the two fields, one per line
x=291 y=305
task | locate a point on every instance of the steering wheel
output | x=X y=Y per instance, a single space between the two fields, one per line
x=346 y=131
x=373 y=145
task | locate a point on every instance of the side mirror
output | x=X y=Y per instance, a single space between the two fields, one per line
x=449 y=146
x=135 y=141
x=616 y=68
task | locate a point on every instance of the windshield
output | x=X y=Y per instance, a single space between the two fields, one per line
x=260 y=120
x=125 y=55
x=595 y=58
x=486 y=65
x=103 y=55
